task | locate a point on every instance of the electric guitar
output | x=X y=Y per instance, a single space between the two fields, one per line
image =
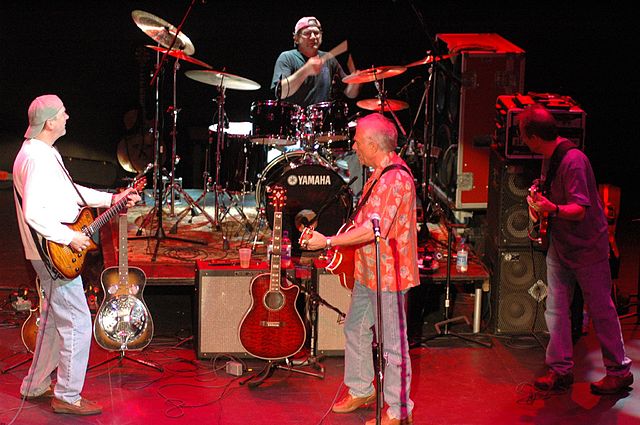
x=123 y=321
x=69 y=263
x=29 y=331
x=272 y=327
x=341 y=260
x=539 y=232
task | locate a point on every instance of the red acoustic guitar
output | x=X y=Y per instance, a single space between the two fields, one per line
x=272 y=327
x=341 y=260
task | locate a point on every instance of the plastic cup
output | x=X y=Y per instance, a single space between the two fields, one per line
x=245 y=257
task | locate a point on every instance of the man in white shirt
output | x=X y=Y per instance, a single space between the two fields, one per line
x=45 y=198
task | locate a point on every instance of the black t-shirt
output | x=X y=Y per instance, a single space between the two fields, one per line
x=325 y=86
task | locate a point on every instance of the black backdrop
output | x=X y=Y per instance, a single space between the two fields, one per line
x=86 y=52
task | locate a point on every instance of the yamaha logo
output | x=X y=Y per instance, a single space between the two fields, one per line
x=309 y=180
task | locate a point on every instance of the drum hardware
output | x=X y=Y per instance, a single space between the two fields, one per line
x=222 y=81
x=167 y=36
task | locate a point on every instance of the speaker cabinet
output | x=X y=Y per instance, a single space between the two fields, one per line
x=333 y=296
x=507 y=214
x=519 y=290
x=479 y=69
x=223 y=298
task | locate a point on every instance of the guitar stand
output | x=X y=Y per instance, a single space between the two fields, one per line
x=259 y=377
x=122 y=356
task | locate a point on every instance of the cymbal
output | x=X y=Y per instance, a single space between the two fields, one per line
x=179 y=54
x=429 y=59
x=217 y=78
x=162 y=31
x=389 y=105
x=373 y=74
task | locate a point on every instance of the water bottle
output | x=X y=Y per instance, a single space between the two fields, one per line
x=285 y=249
x=462 y=257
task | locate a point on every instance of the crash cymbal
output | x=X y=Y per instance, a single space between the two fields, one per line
x=162 y=31
x=217 y=78
x=373 y=74
x=389 y=105
x=180 y=55
x=428 y=59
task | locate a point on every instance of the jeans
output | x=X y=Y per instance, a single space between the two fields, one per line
x=358 y=329
x=64 y=338
x=595 y=282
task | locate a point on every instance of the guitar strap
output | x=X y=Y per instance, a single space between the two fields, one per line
x=72 y=183
x=38 y=241
x=554 y=163
x=363 y=200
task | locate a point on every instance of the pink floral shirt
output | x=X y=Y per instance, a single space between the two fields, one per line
x=394 y=200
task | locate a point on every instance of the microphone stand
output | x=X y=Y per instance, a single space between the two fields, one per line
x=379 y=343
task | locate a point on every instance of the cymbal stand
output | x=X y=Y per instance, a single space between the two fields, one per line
x=382 y=97
x=160 y=234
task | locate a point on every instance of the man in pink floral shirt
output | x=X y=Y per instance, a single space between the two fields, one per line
x=393 y=198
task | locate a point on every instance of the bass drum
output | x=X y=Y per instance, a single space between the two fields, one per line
x=310 y=183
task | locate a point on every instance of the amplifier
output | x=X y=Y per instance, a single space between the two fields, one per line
x=569 y=116
x=223 y=298
x=333 y=302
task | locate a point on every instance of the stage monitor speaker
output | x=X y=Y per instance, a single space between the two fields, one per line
x=223 y=298
x=518 y=291
x=330 y=324
x=508 y=222
x=479 y=69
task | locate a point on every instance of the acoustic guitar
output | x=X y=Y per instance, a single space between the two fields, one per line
x=272 y=327
x=341 y=260
x=29 y=331
x=123 y=321
x=69 y=263
x=539 y=232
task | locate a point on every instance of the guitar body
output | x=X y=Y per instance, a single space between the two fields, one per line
x=272 y=327
x=540 y=223
x=29 y=331
x=123 y=319
x=68 y=262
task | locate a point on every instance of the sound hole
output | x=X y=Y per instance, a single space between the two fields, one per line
x=274 y=300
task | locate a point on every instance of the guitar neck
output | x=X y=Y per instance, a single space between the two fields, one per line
x=123 y=257
x=276 y=263
x=105 y=217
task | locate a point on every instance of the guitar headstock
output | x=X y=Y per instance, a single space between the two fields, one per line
x=277 y=197
x=140 y=183
x=305 y=236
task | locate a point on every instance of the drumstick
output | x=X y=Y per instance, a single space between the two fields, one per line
x=336 y=51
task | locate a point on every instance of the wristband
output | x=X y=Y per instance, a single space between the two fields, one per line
x=328 y=245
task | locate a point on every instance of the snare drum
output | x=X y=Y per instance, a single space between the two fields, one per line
x=310 y=183
x=274 y=123
x=328 y=121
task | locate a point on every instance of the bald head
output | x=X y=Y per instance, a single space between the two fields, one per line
x=379 y=129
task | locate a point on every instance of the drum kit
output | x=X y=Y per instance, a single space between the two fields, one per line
x=309 y=142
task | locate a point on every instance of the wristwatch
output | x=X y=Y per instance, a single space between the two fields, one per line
x=328 y=245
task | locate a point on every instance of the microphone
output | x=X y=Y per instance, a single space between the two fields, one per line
x=406 y=86
x=375 y=221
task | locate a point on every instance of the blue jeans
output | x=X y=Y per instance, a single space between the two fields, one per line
x=64 y=338
x=358 y=330
x=595 y=282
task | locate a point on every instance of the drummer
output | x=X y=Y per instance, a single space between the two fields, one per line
x=303 y=76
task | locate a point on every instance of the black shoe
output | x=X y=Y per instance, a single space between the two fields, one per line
x=553 y=381
x=612 y=384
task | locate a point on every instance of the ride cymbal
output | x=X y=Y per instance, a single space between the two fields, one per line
x=162 y=31
x=373 y=74
x=376 y=105
x=217 y=78
x=429 y=59
x=179 y=54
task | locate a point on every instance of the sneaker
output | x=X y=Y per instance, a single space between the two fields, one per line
x=349 y=403
x=553 y=381
x=611 y=384
x=81 y=407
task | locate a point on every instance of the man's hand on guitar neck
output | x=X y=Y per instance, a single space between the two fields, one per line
x=132 y=197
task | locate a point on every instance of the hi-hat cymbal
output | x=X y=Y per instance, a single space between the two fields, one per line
x=217 y=78
x=373 y=74
x=162 y=31
x=376 y=105
x=179 y=54
x=429 y=59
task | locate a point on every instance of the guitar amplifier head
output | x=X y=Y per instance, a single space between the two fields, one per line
x=223 y=298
